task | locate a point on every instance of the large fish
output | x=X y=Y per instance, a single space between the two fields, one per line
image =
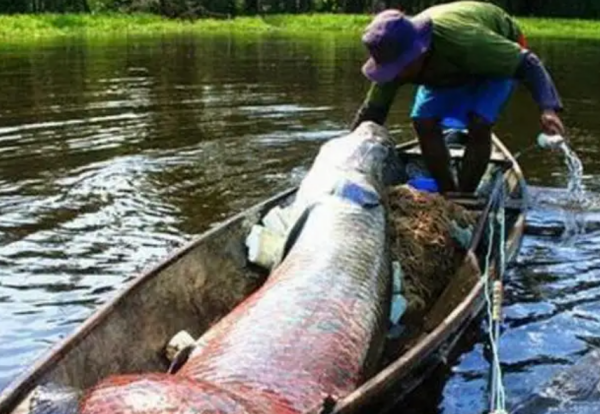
x=315 y=330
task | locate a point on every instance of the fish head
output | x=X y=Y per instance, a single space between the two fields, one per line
x=365 y=155
x=375 y=155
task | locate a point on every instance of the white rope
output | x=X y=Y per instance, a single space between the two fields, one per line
x=498 y=395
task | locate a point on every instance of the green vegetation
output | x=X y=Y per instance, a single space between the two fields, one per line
x=586 y=9
x=560 y=28
x=25 y=28
x=533 y=27
x=35 y=26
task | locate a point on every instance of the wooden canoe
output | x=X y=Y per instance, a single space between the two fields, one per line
x=199 y=283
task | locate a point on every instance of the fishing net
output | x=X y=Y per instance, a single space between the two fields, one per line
x=426 y=240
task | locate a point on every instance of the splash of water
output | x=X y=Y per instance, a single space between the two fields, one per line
x=574 y=224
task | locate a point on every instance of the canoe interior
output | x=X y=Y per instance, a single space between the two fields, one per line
x=198 y=284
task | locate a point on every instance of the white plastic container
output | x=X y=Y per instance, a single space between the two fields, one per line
x=264 y=246
x=277 y=220
x=399 y=303
x=550 y=141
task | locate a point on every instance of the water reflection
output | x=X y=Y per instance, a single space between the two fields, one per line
x=114 y=153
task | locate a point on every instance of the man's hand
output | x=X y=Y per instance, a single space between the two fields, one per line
x=551 y=123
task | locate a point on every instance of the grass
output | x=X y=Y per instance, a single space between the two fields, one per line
x=561 y=28
x=24 y=28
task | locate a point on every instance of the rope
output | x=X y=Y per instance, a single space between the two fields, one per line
x=493 y=298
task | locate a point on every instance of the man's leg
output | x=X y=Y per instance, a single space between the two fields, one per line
x=435 y=152
x=430 y=107
x=477 y=154
x=488 y=100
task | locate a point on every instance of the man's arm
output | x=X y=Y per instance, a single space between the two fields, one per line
x=495 y=56
x=530 y=70
x=532 y=73
x=377 y=104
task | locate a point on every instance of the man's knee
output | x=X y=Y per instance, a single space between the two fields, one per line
x=426 y=126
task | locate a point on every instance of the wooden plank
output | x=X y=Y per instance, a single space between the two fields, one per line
x=497 y=156
x=479 y=203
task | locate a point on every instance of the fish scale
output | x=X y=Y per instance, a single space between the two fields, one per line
x=161 y=394
x=308 y=301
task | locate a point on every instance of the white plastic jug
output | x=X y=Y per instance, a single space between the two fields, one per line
x=550 y=141
x=264 y=246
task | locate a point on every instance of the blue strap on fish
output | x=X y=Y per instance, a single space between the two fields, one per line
x=357 y=194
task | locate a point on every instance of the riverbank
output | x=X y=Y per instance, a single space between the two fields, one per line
x=27 y=28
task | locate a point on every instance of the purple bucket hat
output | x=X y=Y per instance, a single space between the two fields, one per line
x=394 y=41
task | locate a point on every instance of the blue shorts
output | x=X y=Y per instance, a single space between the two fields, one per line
x=452 y=105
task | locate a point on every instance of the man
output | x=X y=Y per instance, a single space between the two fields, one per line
x=465 y=56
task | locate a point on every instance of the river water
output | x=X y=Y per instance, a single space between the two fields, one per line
x=115 y=152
